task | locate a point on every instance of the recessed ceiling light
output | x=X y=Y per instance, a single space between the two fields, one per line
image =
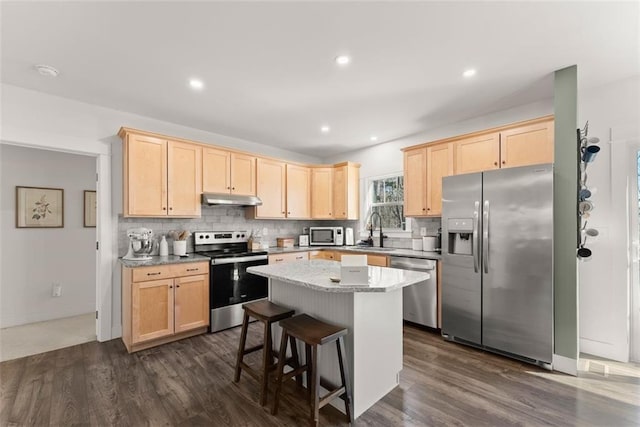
x=373 y=138
x=196 y=84
x=325 y=129
x=47 y=70
x=343 y=60
x=469 y=73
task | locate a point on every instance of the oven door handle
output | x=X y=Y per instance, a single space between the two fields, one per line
x=220 y=261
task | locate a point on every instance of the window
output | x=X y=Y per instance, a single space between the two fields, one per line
x=386 y=197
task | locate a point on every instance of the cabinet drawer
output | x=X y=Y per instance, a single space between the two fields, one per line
x=157 y=272
x=288 y=257
x=190 y=269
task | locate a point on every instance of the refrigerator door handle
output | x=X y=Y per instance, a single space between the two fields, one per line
x=485 y=237
x=476 y=247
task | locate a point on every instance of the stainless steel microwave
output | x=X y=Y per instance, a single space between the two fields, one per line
x=326 y=236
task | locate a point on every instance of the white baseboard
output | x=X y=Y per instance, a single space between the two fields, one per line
x=565 y=365
x=605 y=350
x=116 y=332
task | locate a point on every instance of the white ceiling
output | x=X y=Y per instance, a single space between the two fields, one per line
x=269 y=72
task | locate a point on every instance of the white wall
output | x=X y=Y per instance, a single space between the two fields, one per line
x=613 y=112
x=387 y=158
x=33 y=259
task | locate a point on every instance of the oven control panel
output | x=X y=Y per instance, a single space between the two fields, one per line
x=211 y=237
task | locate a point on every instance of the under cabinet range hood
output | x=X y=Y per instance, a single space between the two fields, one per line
x=230 y=199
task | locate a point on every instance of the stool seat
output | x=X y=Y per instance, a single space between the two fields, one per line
x=266 y=310
x=313 y=332
x=268 y=313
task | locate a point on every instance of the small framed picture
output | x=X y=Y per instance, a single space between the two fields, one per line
x=39 y=207
x=90 y=208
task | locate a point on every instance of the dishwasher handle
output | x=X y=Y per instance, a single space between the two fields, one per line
x=412 y=264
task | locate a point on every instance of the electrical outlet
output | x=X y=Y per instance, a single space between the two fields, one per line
x=423 y=231
x=56 y=290
x=265 y=231
x=305 y=230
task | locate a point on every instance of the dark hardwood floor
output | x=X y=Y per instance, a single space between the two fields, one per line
x=190 y=383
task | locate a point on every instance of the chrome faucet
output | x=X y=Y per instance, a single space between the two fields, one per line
x=382 y=236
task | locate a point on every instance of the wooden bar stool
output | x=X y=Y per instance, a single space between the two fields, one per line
x=268 y=313
x=313 y=332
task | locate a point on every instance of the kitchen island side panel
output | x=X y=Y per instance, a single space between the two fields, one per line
x=373 y=345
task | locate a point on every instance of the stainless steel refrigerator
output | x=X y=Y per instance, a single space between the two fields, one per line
x=497 y=254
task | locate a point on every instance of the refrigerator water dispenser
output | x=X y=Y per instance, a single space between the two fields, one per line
x=460 y=236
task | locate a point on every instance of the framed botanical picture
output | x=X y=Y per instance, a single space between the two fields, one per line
x=90 y=208
x=39 y=207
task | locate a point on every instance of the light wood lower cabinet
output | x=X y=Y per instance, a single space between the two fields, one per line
x=288 y=257
x=164 y=303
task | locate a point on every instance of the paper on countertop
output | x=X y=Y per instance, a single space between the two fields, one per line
x=354 y=270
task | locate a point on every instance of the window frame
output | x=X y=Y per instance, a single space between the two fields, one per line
x=368 y=204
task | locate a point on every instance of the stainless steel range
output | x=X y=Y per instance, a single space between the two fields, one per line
x=230 y=285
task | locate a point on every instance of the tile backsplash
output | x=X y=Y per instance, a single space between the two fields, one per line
x=224 y=218
x=219 y=218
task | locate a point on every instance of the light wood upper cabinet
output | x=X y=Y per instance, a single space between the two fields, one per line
x=228 y=172
x=298 y=192
x=216 y=171
x=322 y=193
x=184 y=179
x=477 y=153
x=527 y=145
x=346 y=191
x=145 y=176
x=161 y=178
x=243 y=174
x=439 y=165
x=415 y=182
x=152 y=309
x=271 y=184
x=191 y=302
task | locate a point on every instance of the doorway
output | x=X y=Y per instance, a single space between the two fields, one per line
x=49 y=293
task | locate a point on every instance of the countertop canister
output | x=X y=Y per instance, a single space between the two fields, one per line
x=416 y=244
x=429 y=243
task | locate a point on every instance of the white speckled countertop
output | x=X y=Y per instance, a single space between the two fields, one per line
x=315 y=275
x=161 y=260
x=361 y=249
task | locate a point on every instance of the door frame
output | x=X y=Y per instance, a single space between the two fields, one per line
x=633 y=148
x=104 y=235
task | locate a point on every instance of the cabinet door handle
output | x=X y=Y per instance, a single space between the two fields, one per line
x=154 y=274
x=504 y=162
x=228 y=188
x=279 y=259
x=164 y=208
x=288 y=213
x=170 y=287
x=177 y=286
x=299 y=257
x=170 y=209
x=495 y=163
x=193 y=269
x=233 y=188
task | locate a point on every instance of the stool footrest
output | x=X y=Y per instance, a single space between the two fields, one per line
x=252 y=349
x=330 y=396
x=294 y=372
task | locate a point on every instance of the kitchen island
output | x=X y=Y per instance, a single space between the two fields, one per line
x=371 y=312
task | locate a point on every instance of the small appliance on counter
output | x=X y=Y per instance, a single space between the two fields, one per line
x=348 y=236
x=285 y=242
x=141 y=244
x=326 y=236
x=303 y=240
x=429 y=243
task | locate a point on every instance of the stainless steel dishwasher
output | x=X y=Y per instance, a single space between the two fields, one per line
x=419 y=301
